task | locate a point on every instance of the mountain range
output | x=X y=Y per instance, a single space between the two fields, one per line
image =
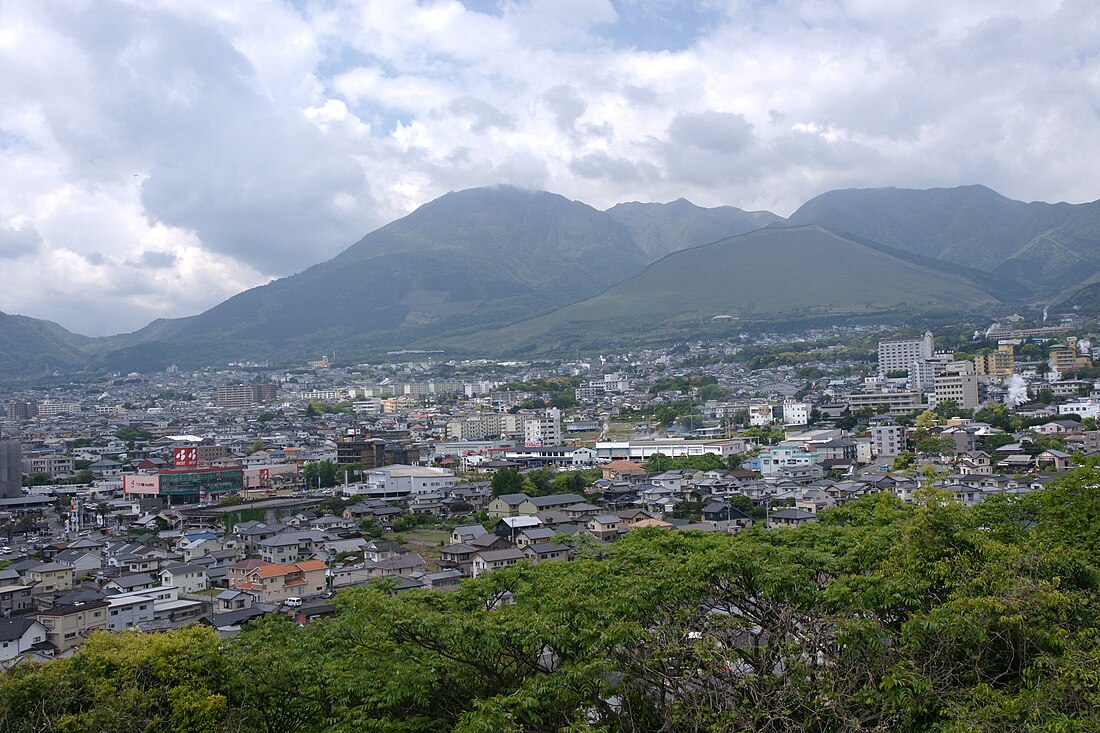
x=501 y=269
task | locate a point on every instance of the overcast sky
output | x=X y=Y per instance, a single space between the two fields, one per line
x=158 y=157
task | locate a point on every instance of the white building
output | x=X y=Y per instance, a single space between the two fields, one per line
x=399 y=481
x=900 y=354
x=18 y=635
x=127 y=610
x=760 y=415
x=796 y=413
x=1084 y=408
x=188 y=578
x=640 y=450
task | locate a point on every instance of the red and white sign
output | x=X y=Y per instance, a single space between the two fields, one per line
x=265 y=474
x=186 y=457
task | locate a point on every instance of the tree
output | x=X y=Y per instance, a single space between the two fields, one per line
x=506 y=481
x=256 y=447
x=903 y=460
x=320 y=474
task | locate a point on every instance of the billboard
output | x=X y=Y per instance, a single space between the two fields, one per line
x=186 y=457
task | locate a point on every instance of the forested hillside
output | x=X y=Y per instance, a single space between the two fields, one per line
x=881 y=617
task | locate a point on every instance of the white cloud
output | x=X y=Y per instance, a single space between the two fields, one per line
x=161 y=156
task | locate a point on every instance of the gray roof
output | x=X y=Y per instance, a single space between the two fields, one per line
x=14 y=628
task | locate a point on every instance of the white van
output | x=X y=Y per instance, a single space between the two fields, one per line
x=292 y=602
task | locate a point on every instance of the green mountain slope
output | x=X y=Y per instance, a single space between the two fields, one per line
x=769 y=274
x=1048 y=247
x=466 y=260
x=30 y=347
x=661 y=229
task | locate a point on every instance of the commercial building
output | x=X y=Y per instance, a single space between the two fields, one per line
x=898 y=355
x=185 y=486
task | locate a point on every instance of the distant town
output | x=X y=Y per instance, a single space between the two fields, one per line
x=219 y=496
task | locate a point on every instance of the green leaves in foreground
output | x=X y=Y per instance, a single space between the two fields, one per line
x=880 y=617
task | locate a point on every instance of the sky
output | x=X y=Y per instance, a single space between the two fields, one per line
x=157 y=157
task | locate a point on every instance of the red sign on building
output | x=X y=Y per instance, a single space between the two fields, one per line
x=186 y=457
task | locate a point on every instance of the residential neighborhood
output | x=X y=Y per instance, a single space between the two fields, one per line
x=152 y=502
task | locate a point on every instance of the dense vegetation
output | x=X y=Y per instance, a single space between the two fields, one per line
x=881 y=616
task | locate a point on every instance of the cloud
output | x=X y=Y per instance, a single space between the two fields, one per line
x=159 y=157
x=16 y=243
x=718 y=132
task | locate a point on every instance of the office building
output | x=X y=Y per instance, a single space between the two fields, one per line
x=887 y=437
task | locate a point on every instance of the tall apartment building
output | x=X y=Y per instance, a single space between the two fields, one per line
x=958 y=382
x=245 y=395
x=545 y=430
x=898 y=355
x=16 y=410
x=11 y=469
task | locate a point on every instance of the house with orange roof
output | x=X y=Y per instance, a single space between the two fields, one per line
x=274 y=582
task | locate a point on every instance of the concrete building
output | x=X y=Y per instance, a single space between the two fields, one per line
x=1067 y=358
x=127 y=610
x=959 y=383
x=245 y=395
x=11 y=474
x=52 y=464
x=887 y=437
x=545 y=430
x=899 y=354
x=640 y=450
x=68 y=624
x=896 y=403
x=398 y=482
x=796 y=413
x=20 y=410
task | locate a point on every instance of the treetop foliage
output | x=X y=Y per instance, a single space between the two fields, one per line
x=881 y=616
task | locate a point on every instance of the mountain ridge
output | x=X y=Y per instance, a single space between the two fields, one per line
x=479 y=260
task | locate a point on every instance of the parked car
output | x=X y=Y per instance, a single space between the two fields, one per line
x=292 y=602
